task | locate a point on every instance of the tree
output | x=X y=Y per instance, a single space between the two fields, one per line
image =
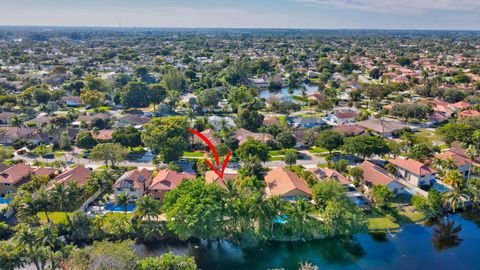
x=174 y=80
x=209 y=98
x=252 y=148
x=329 y=140
x=195 y=209
x=108 y=152
x=147 y=207
x=135 y=95
x=41 y=95
x=381 y=195
x=64 y=197
x=290 y=157
x=123 y=199
x=156 y=94
x=299 y=219
x=167 y=261
x=365 y=146
x=159 y=130
x=454 y=178
x=456 y=132
x=423 y=151
x=11 y=255
x=357 y=174
x=85 y=140
x=473 y=188
x=92 y=97
x=127 y=137
x=417 y=111
x=286 y=139
x=341 y=217
x=43 y=202
x=249 y=119
x=326 y=191
x=173 y=97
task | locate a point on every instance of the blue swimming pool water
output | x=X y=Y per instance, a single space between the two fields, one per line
x=440 y=188
x=281 y=219
x=4 y=201
x=118 y=208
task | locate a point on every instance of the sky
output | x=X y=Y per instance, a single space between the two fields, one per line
x=316 y=14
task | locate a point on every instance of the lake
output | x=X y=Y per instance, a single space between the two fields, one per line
x=415 y=247
x=287 y=92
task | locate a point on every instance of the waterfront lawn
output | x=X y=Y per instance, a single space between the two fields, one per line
x=56 y=217
x=377 y=222
x=409 y=214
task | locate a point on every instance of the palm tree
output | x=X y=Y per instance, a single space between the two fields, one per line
x=147 y=207
x=455 y=198
x=62 y=198
x=290 y=157
x=123 y=199
x=271 y=209
x=299 y=217
x=454 y=178
x=43 y=202
x=471 y=153
x=16 y=121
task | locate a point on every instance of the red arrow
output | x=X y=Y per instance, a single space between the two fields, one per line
x=215 y=154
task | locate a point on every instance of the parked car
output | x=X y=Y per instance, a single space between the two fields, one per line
x=48 y=156
x=86 y=154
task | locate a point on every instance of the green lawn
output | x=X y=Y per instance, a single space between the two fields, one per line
x=100 y=109
x=276 y=153
x=377 y=222
x=409 y=214
x=56 y=217
x=317 y=150
x=194 y=154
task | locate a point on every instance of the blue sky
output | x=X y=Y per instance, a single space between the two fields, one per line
x=353 y=14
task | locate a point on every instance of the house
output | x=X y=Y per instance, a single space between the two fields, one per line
x=376 y=175
x=350 y=130
x=258 y=82
x=462 y=162
x=132 y=120
x=306 y=122
x=167 y=180
x=50 y=172
x=4 y=116
x=268 y=121
x=341 y=117
x=13 y=177
x=79 y=174
x=413 y=171
x=103 y=135
x=134 y=182
x=210 y=135
x=72 y=101
x=461 y=105
x=299 y=135
x=436 y=117
x=382 y=127
x=220 y=122
x=242 y=136
x=212 y=177
x=327 y=173
x=468 y=113
x=41 y=120
x=286 y=184
x=87 y=119
x=13 y=134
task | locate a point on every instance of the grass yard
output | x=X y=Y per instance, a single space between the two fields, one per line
x=317 y=150
x=56 y=217
x=377 y=222
x=100 y=109
x=194 y=154
x=409 y=214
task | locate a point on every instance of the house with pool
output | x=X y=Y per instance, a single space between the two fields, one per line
x=167 y=180
x=11 y=178
x=134 y=182
x=376 y=175
x=286 y=184
x=413 y=171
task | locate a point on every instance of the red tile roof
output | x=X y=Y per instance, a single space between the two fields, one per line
x=459 y=159
x=103 y=135
x=15 y=174
x=212 y=177
x=168 y=179
x=281 y=181
x=80 y=174
x=412 y=166
x=375 y=174
x=134 y=178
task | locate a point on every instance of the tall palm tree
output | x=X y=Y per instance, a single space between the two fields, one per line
x=62 y=198
x=299 y=217
x=271 y=209
x=454 y=178
x=43 y=202
x=123 y=199
x=472 y=153
x=147 y=207
x=455 y=198
x=16 y=121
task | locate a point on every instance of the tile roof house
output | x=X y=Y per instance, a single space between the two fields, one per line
x=286 y=184
x=350 y=130
x=132 y=120
x=376 y=175
x=50 y=172
x=242 y=135
x=13 y=134
x=327 y=173
x=210 y=134
x=79 y=174
x=413 y=171
x=468 y=113
x=381 y=127
x=463 y=163
x=167 y=180
x=212 y=177
x=103 y=135
x=4 y=116
x=13 y=177
x=461 y=105
x=134 y=182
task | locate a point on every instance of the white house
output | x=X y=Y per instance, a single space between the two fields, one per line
x=413 y=171
x=218 y=122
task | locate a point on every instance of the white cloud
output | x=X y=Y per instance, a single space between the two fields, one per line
x=403 y=6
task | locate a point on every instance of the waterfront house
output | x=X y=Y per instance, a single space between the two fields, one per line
x=286 y=184
x=167 y=180
x=11 y=178
x=462 y=162
x=376 y=175
x=413 y=171
x=212 y=177
x=134 y=182
x=78 y=174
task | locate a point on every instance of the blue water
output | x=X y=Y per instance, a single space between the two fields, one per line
x=5 y=201
x=286 y=92
x=415 y=247
x=118 y=208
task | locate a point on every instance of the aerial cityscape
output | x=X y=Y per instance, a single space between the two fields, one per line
x=180 y=136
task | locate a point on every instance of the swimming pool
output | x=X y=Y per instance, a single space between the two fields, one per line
x=439 y=187
x=5 y=201
x=119 y=208
x=280 y=219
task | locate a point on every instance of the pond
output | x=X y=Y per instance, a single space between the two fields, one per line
x=287 y=92
x=452 y=243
